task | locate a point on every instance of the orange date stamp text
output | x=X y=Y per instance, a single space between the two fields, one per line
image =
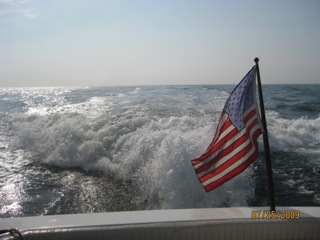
x=278 y=214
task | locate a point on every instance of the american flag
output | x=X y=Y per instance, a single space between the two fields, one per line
x=234 y=146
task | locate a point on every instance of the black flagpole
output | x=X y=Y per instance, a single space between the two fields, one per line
x=265 y=141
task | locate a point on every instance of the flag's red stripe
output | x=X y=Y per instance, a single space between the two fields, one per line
x=227 y=163
x=249 y=115
x=228 y=150
x=254 y=155
x=256 y=134
x=232 y=173
x=223 y=153
x=227 y=123
x=215 y=147
x=220 y=129
x=233 y=159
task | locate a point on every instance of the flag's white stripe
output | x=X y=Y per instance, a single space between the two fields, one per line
x=222 y=121
x=225 y=132
x=224 y=158
x=249 y=110
x=222 y=135
x=231 y=154
x=208 y=159
x=230 y=168
x=254 y=117
x=224 y=146
x=250 y=120
x=228 y=143
x=228 y=130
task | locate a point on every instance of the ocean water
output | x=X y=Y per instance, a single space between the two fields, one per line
x=80 y=150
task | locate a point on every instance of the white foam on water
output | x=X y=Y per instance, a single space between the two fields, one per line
x=12 y=186
x=293 y=134
x=316 y=198
x=304 y=190
x=13 y=209
x=149 y=141
x=153 y=153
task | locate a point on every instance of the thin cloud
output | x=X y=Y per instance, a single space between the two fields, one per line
x=7 y=1
x=2 y=12
x=12 y=7
x=24 y=12
x=23 y=1
x=11 y=2
x=27 y=13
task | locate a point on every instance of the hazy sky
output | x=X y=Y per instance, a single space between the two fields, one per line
x=122 y=42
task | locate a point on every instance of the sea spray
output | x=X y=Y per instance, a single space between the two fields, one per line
x=154 y=156
x=114 y=149
x=293 y=134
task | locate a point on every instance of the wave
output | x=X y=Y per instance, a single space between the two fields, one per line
x=152 y=154
x=147 y=142
x=293 y=134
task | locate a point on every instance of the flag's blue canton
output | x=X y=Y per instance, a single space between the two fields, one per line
x=241 y=99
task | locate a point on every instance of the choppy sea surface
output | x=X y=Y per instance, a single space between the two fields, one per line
x=80 y=150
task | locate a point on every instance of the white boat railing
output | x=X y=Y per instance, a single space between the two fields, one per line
x=214 y=223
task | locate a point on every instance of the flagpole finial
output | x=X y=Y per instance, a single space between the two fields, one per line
x=256 y=60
